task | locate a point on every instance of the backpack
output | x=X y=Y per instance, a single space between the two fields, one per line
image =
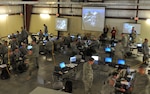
x=4 y=74
x=68 y=86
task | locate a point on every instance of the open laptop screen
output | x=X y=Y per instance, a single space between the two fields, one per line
x=29 y=47
x=108 y=60
x=73 y=59
x=108 y=49
x=139 y=45
x=62 y=65
x=121 y=62
x=96 y=59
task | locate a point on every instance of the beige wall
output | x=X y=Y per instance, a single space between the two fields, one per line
x=13 y=23
x=10 y=24
x=145 y=30
x=118 y=24
x=74 y=26
x=37 y=22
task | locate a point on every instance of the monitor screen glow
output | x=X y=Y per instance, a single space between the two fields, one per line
x=96 y=58
x=72 y=36
x=108 y=59
x=9 y=36
x=38 y=33
x=73 y=59
x=79 y=37
x=139 y=45
x=107 y=49
x=29 y=47
x=121 y=62
x=44 y=41
x=114 y=44
x=62 y=65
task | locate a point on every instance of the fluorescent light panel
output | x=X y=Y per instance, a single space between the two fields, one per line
x=44 y=16
x=148 y=21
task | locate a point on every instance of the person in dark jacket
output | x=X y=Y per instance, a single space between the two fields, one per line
x=24 y=35
x=145 y=50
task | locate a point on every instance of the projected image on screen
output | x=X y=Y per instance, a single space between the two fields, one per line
x=93 y=18
x=61 y=24
x=127 y=27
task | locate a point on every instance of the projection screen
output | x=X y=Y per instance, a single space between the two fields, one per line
x=93 y=18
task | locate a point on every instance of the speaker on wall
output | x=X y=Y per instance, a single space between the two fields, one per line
x=77 y=0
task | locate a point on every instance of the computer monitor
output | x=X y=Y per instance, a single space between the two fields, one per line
x=29 y=47
x=96 y=59
x=130 y=38
x=9 y=36
x=72 y=36
x=89 y=42
x=139 y=45
x=79 y=37
x=38 y=33
x=44 y=41
x=113 y=44
x=73 y=59
x=107 y=49
x=121 y=62
x=108 y=60
x=62 y=65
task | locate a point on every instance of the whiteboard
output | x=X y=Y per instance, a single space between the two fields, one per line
x=93 y=18
x=127 y=27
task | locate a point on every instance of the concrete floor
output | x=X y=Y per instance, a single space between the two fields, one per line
x=19 y=84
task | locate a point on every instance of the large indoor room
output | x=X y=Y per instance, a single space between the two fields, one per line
x=74 y=46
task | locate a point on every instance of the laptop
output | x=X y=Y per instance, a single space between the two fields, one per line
x=73 y=59
x=113 y=44
x=108 y=60
x=62 y=65
x=107 y=49
x=96 y=59
x=29 y=47
x=139 y=45
x=44 y=42
x=72 y=36
x=9 y=36
x=121 y=62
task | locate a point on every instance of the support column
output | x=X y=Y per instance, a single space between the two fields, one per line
x=137 y=10
x=58 y=12
x=28 y=16
x=27 y=11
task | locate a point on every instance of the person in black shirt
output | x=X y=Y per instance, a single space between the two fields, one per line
x=113 y=33
x=105 y=31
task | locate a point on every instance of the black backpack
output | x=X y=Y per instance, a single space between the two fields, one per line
x=68 y=86
x=22 y=67
x=5 y=74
